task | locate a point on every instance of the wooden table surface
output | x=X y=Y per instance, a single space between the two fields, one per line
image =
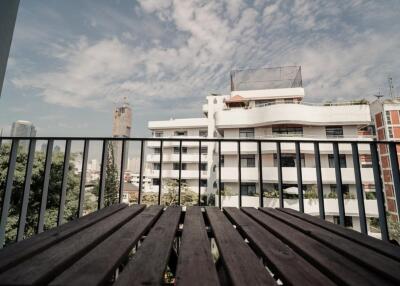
x=136 y=245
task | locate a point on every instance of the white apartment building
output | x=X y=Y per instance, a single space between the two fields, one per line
x=269 y=104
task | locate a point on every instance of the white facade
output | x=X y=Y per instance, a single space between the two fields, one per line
x=271 y=113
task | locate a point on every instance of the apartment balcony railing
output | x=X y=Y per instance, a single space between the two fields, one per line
x=16 y=163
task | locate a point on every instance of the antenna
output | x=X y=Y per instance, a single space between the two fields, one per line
x=379 y=95
x=391 y=87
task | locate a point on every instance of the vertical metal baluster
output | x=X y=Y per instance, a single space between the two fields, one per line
x=64 y=181
x=380 y=199
x=359 y=188
x=141 y=171
x=180 y=172
x=27 y=188
x=160 y=171
x=103 y=174
x=219 y=175
x=394 y=162
x=319 y=181
x=240 y=175
x=299 y=177
x=43 y=203
x=338 y=174
x=7 y=192
x=122 y=171
x=199 y=171
x=260 y=175
x=280 y=180
x=83 y=178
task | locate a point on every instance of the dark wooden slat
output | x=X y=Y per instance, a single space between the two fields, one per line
x=15 y=253
x=149 y=263
x=195 y=263
x=383 y=265
x=368 y=241
x=241 y=263
x=291 y=268
x=98 y=266
x=45 y=266
x=336 y=266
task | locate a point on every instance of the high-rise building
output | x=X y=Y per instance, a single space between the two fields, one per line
x=22 y=128
x=122 y=125
x=268 y=103
x=8 y=16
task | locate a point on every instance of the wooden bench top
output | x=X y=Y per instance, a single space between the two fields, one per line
x=136 y=245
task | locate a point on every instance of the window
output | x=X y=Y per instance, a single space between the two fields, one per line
x=388 y=119
x=348 y=220
x=342 y=159
x=248 y=161
x=203 y=133
x=345 y=189
x=156 y=166
x=264 y=102
x=334 y=131
x=176 y=150
x=390 y=132
x=246 y=133
x=288 y=160
x=158 y=134
x=176 y=166
x=222 y=160
x=288 y=100
x=248 y=189
x=157 y=150
x=180 y=133
x=204 y=166
x=204 y=150
x=287 y=131
x=155 y=182
x=203 y=183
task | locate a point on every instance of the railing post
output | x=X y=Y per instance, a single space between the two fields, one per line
x=83 y=177
x=180 y=172
x=240 y=174
x=141 y=171
x=103 y=169
x=299 y=177
x=64 y=181
x=319 y=181
x=122 y=171
x=339 y=190
x=160 y=171
x=359 y=188
x=199 y=172
x=394 y=162
x=280 y=180
x=7 y=192
x=380 y=199
x=260 y=175
x=27 y=188
x=43 y=203
x=219 y=175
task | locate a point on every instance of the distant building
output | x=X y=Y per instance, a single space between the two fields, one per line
x=8 y=16
x=22 y=128
x=122 y=125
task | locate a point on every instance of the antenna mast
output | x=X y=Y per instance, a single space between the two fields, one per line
x=391 y=87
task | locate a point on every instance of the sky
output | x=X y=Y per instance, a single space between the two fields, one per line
x=72 y=61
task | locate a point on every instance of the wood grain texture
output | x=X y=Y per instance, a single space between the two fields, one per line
x=195 y=264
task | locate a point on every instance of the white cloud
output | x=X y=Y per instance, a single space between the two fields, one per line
x=340 y=57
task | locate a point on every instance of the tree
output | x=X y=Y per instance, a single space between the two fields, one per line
x=111 y=181
x=35 y=194
x=170 y=194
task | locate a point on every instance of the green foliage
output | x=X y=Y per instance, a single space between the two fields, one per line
x=111 y=186
x=370 y=195
x=36 y=191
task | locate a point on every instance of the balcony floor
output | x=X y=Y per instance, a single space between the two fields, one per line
x=153 y=246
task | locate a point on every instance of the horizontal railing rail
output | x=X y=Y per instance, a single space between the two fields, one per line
x=36 y=187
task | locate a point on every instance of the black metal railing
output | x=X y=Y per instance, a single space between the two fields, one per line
x=16 y=160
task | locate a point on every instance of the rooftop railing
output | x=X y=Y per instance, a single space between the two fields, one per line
x=43 y=186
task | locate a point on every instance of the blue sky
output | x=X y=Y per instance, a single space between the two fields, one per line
x=71 y=61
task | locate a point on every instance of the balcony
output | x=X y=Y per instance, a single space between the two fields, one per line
x=186 y=158
x=79 y=226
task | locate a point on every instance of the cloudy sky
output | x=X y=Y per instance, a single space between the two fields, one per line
x=71 y=61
